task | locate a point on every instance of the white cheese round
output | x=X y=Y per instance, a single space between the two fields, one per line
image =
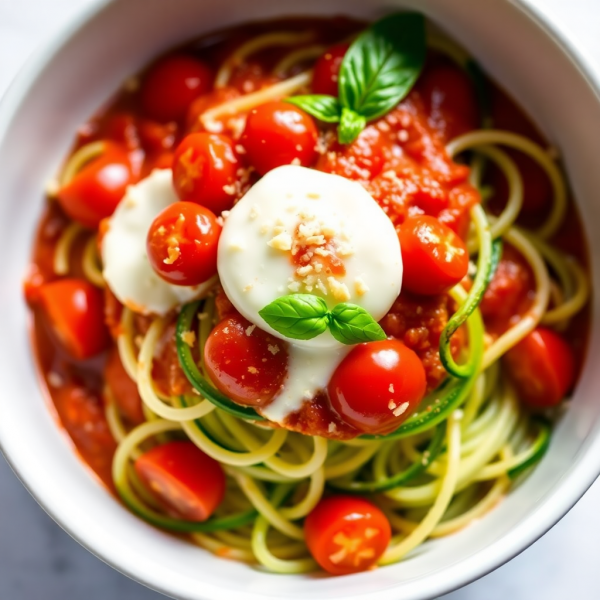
x=255 y=261
x=127 y=270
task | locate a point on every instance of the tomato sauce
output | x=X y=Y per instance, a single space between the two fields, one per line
x=400 y=159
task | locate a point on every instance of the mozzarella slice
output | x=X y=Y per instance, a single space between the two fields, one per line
x=127 y=270
x=293 y=207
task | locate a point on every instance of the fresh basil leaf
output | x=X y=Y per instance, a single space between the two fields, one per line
x=352 y=324
x=323 y=107
x=382 y=65
x=351 y=124
x=297 y=316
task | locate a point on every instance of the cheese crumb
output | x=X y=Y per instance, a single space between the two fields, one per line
x=360 y=286
x=391 y=388
x=313 y=195
x=54 y=379
x=339 y=290
x=254 y=212
x=392 y=405
x=250 y=329
x=252 y=370
x=296 y=162
x=401 y=409
x=229 y=189
x=332 y=427
x=174 y=253
x=248 y=287
x=273 y=349
x=294 y=286
x=189 y=337
x=283 y=242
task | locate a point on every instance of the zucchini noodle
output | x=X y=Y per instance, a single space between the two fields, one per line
x=62 y=252
x=297 y=57
x=91 y=268
x=79 y=159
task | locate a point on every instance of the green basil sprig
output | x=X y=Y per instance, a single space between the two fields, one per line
x=377 y=71
x=305 y=316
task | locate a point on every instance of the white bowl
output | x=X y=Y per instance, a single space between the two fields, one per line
x=66 y=82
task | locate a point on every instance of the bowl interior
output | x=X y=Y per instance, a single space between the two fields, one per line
x=38 y=118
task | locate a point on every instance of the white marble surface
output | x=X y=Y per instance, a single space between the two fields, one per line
x=38 y=560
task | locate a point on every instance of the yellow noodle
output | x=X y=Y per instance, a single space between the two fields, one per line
x=79 y=159
x=62 y=251
x=297 y=57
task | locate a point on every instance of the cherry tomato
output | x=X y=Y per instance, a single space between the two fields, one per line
x=182 y=243
x=82 y=415
x=377 y=386
x=449 y=99
x=186 y=481
x=157 y=137
x=205 y=170
x=278 y=133
x=123 y=388
x=327 y=69
x=96 y=190
x=434 y=257
x=244 y=362
x=172 y=84
x=122 y=128
x=74 y=310
x=346 y=534
x=542 y=368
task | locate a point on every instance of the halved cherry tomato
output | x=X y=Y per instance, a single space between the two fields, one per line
x=450 y=100
x=377 y=386
x=245 y=362
x=96 y=190
x=434 y=257
x=123 y=388
x=542 y=368
x=182 y=243
x=205 y=170
x=172 y=84
x=327 y=69
x=277 y=134
x=184 y=480
x=74 y=310
x=346 y=534
x=82 y=415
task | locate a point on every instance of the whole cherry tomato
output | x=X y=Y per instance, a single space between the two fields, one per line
x=278 y=133
x=346 y=534
x=74 y=310
x=244 y=362
x=96 y=190
x=542 y=368
x=172 y=84
x=184 y=479
x=327 y=69
x=434 y=258
x=205 y=169
x=377 y=386
x=182 y=243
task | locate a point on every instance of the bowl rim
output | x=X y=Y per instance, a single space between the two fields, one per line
x=551 y=510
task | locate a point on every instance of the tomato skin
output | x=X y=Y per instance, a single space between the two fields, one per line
x=205 y=165
x=248 y=367
x=123 y=388
x=348 y=522
x=449 y=99
x=171 y=85
x=184 y=480
x=278 y=133
x=74 y=310
x=542 y=367
x=434 y=258
x=327 y=69
x=375 y=381
x=96 y=190
x=185 y=235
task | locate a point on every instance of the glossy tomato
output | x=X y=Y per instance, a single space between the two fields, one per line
x=182 y=243
x=327 y=69
x=123 y=388
x=377 y=386
x=346 y=534
x=74 y=311
x=244 y=362
x=184 y=480
x=172 y=84
x=542 y=367
x=277 y=134
x=205 y=169
x=96 y=190
x=434 y=258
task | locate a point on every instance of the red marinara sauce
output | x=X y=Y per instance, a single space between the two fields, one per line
x=400 y=159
